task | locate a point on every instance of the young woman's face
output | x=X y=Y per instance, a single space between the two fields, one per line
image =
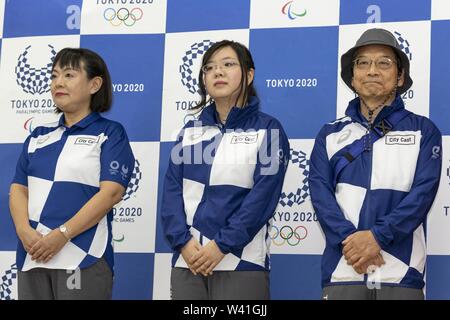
x=222 y=75
x=71 y=89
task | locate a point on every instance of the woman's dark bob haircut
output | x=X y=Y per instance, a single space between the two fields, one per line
x=94 y=66
x=246 y=63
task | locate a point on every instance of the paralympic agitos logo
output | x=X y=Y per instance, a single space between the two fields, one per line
x=289 y=9
x=28 y=125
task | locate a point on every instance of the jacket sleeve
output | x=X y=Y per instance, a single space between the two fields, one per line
x=117 y=149
x=173 y=216
x=261 y=201
x=333 y=222
x=414 y=207
x=21 y=176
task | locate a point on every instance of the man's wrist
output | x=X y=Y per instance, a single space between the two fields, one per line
x=377 y=243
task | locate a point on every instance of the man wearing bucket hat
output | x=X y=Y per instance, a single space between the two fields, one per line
x=373 y=178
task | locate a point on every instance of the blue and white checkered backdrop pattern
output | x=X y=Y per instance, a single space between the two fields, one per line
x=153 y=49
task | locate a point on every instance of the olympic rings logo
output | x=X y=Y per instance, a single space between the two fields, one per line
x=285 y=234
x=124 y=15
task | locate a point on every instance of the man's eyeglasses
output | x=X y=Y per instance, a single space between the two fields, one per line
x=382 y=63
x=223 y=65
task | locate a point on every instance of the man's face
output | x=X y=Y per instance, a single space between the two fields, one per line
x=375 y=72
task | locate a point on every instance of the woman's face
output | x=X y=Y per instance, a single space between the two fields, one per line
x=222 y=75
x=71 y=89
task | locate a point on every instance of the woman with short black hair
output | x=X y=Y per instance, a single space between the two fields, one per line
x=69 y=176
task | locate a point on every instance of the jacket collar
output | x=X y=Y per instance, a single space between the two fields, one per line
x=236 y=116
x=354 y=111
x=83 y=123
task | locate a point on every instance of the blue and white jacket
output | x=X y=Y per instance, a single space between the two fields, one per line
x=388 y=190
x=62 y=168
x=223 y=183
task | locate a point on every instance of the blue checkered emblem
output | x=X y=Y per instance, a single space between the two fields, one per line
x=6 y=283
x=136 y=177
x=34 y=80
x=298 y=159
x=188 y=79
x=404 y=44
